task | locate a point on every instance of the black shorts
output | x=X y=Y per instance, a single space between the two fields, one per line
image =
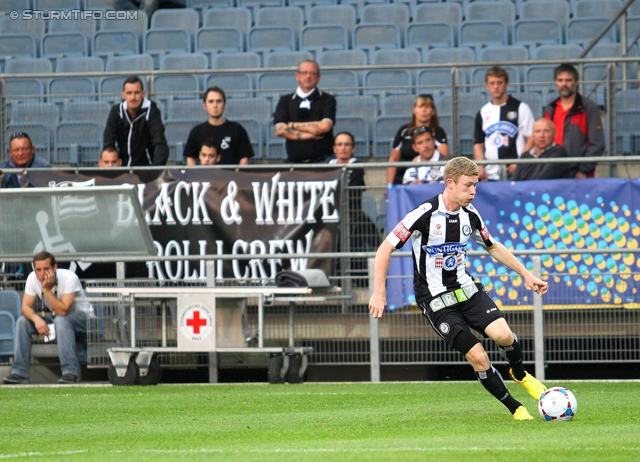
x=476 y=313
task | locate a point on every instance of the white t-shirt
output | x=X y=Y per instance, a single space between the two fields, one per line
x=426 y=174
x=67 y=283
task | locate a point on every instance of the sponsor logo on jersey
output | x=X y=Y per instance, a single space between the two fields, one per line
x=226 y=142
x=484 y=232
x=444 y=328
x=512 y=115
x=502 y=127
x=450 y=263
x=466 y=230
x=443 y=249
x=401 y=232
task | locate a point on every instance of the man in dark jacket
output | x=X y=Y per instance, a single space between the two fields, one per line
x=135 y=126
x=22 y=153
x=576 y=119
x=543 y=148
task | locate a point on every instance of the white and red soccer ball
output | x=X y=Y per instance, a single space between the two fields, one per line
x=557 y=403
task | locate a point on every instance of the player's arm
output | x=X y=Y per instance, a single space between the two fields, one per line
x=504 y=256
x=478 y=146
x=29 y=313
x=380 y=269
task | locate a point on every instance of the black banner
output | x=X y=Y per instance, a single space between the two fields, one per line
x=213 y=211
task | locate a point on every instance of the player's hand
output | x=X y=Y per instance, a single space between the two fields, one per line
x=376 y=305
x=482 y=175
x=537 y=285
x=49 y=280
x=41 y=326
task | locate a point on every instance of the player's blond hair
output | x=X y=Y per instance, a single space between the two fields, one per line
x=459 y=166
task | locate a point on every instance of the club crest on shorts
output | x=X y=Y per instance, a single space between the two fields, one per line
x=444 y=328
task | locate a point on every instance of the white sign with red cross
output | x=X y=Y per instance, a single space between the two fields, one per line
x=196 y=323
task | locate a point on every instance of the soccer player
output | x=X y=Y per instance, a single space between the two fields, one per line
x=447 y=295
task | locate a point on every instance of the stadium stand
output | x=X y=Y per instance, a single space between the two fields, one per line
x=115 y=43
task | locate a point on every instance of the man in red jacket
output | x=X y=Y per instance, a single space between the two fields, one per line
x=577 y=121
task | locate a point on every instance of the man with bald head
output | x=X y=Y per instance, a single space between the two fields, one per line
x=544 y=147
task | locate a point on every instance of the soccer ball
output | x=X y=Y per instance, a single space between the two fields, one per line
x=557 y=403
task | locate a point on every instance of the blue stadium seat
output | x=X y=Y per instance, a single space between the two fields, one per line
x=10 y=311
x=448 y=13
x=63 y=5
x=359 y=128
x=395 y=13
x=584 y=30
x=102 y=5
x=275 y=83
x=271 y=38
x=547 y=10
x=42 y=113
x=214 y=40
x=257 y=4
x=78 y=143
x=26 y=66
x=596 y=8
x=359 y=5
x=39 y=134
x=257 y=108
x=64 y=44
x=139 y=24
x=627 y=132
x=387 y=82
x=536 y=32
x=206 y=5
x=176 y=132
x=192 y=61
x=533 y=99
x=502 y=10
x=385 y=129
x=16 y=46
x=129 y=63
x=359 y=106
x=86 y=111
x=238 y=84
x=425 y=35
x=307 y=5
x=72 y=89
x=568 y=51
x=238 y=18
x=286 y=58
x=86 y=64
x=373 y=36
x=23 y=90
x=184 y=109
x=85 y=26
x=342 y=58
x=402 y=56
x=183 y=85
x=343 y=15
x=285 y=16
x=482 y=33
x=324 y=37
x=340 y=82
x=176 y=18
x=6 y=6
x=397 y=105
x=115 y=43
x=540 y=79
x=33 y=27
x=444 y=55
x=159 y=42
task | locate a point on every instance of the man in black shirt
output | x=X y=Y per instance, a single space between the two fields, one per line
x=306 y=117
x=235 y=147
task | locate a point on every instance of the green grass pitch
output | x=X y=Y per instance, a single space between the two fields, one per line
x=335 y=422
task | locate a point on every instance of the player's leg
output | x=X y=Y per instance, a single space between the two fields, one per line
x=510 y=349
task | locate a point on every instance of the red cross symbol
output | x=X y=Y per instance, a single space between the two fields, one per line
x=196 y=322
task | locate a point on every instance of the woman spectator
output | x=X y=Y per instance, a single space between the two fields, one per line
x=424 y=114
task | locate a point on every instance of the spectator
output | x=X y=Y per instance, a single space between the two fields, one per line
x=576 y=119
x=503 y=127
x=22 y=153
x=424 y=114
x=208 y=154
x=306 y=117
x=235 y=147
x=109 y=157
x=544 y=147
x=344 y=146
x=135 y=126
x=424 y=145
x=58 y=315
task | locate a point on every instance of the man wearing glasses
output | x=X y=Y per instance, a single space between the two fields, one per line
x=22 y=153
x=305 y=118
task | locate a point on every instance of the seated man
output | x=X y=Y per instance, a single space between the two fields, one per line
x=109 y=157
x=49 y=308
x=22 y=153
x=209 y=152
x=544 y=132
x=424 y=144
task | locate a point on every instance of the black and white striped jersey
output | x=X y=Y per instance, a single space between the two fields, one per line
x=439 y=242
